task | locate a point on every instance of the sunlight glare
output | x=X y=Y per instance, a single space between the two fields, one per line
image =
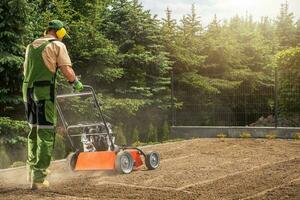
x=245 y=5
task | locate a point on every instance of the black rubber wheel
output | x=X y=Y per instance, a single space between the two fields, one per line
x=72 y=159
x=152 y=160
x=124 y=162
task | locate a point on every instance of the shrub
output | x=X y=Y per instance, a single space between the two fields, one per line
x=135 y=137
x=13 y=139
x=152 y=134
x=271 y=136
x=245 y=135
x=120 y=137
x=136 y=144
x=18 y=164
x=297 y=136
x=165 y=131
x=5 y=160
x=221 y=136
x=13 y=131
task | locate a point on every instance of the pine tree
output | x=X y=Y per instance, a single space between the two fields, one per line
x=214 y=27
x=189 y=44
x=168 y=28
x=297 y=43
x=285 y=29
x=288 y=71
x=267 y=30
x=139 y=42
x=191 y=25
x=13 y=18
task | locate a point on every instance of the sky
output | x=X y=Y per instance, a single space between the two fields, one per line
x=224 y=9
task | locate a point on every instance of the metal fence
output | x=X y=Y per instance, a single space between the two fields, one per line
x=270 y=106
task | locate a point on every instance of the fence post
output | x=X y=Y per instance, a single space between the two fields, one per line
x=172 y=99
x=276 y=97
x=245 y=109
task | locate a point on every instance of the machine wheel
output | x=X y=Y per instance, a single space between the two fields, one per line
x=72 y=159
x=124 y=162
x=152 y=160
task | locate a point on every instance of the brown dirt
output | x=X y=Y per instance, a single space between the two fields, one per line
x=191 y=169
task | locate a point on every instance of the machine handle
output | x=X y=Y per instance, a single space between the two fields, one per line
x=78 y=93
x=92 y=91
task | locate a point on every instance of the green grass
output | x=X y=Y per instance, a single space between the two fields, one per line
x=297 y=136
x=18 y=164
x=222 y=136
x=245 y=135
x=271 y=135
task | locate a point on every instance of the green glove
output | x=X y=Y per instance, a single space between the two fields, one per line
x=77 y=85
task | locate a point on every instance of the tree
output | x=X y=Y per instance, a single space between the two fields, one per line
x=250 y=63
x=285 y=29
x=169 y=32
x=93 y=56
x=298 y=33
x=288 y=62
x=168 y=26
x=137 y=36
x=13 y=18
x=191 y=25
x=266 y=29
x=189 y=44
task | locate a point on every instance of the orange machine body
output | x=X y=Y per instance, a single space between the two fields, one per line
x=136 y=157
x=103 y=160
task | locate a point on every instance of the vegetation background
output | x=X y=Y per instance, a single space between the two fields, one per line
x=127 y=55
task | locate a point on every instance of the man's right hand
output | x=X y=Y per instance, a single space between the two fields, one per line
x=77 y=85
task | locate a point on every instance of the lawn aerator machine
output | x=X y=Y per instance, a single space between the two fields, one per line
x=97 y=149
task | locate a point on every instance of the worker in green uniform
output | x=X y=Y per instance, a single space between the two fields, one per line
x=43 y=58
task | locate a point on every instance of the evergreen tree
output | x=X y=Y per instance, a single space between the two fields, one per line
x=191 y=25
x=13 y=18
x=169 y=31
x=288 y=62
x=189 y=45
x=285 y=29
x=297 y=33
x=252 y=66
x=214 y=27
x=266 y=28
x=137 y=36
x=168 y=25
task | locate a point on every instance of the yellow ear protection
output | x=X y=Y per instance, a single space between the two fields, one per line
x=58 y=26
x=61 y=33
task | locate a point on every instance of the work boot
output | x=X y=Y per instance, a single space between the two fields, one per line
x=47 y=172
x=29 y=174
x=38 y=186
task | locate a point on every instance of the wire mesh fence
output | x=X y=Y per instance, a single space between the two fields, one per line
x=276 y=104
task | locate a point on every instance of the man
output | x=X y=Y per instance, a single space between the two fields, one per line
x=42 y=60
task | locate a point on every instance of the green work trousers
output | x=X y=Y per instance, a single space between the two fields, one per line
x=41 y=117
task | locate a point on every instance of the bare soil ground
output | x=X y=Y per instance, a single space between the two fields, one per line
x=191 y=169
